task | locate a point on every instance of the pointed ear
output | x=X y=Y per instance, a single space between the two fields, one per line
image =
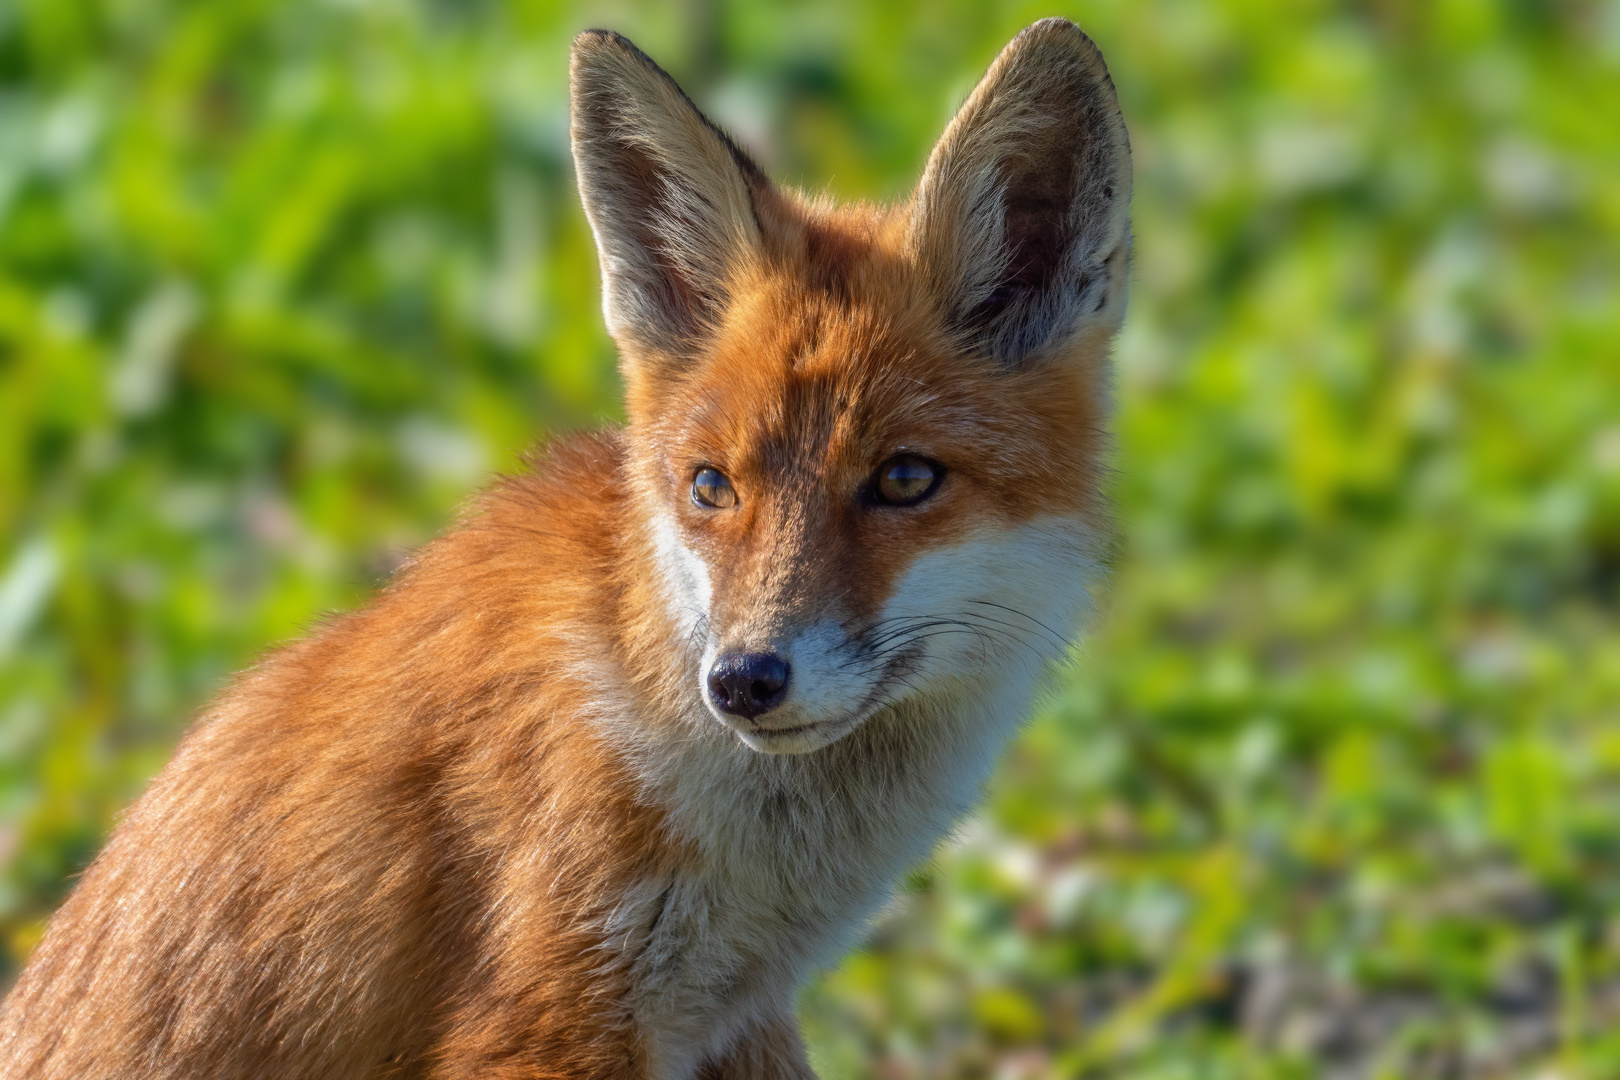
x=668 y=195
x=1022 y=216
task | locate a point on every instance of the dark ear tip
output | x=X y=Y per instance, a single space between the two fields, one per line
x=1054 y=42
x=1055 y=27
x=608 y=54
x=1052 y=24
x=604 y=46
x=598 y=38
x=589 y=49
x=1058 y=31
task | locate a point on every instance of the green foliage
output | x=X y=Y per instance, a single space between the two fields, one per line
x=1334 y=790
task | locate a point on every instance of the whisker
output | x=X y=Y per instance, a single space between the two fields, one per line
x=1061 y=639
x=1012 y=634
x=915 y=626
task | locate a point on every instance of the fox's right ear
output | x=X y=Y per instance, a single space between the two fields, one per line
x=1021 y=221
x=669 y=197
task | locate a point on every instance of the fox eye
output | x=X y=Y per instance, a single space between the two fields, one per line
x=710 y=488
x=906 y=479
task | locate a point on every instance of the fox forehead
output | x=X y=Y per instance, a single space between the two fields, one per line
x=806 y=388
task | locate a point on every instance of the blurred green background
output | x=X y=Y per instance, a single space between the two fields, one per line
x=1335 y=789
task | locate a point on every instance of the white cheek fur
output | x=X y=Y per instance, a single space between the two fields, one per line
x=999 y=605
x=1013 y=597
x=686 y=576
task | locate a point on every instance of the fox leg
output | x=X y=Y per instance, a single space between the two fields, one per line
x=770 y=1050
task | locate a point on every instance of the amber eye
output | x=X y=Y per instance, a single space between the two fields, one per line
x=906 y=480
x=710 y=488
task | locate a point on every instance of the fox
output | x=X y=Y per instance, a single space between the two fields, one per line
x=605 y=772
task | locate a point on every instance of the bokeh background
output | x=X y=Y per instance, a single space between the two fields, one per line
x=1334 y=790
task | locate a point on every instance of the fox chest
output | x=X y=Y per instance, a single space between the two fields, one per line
x=794 y=855
x=726 y=944
x=718 y=952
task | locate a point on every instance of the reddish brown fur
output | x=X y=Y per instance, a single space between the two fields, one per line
x=398 y=847
x=833 y=357
x=405 y=765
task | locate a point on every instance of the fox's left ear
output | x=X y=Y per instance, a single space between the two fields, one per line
x=669 y=196
x=1022 y=218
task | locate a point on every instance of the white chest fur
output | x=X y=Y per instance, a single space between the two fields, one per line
x=797 y=852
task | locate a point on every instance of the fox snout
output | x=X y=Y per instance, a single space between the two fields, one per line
x=788 y=690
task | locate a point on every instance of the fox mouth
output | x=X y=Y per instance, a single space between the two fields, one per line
x=807 y=737
x=802 y=739
x=785 y=732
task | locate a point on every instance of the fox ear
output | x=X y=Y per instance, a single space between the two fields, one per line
x=1022 y=218
x=668 y=195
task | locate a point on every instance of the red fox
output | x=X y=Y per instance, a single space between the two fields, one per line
x=608 y=769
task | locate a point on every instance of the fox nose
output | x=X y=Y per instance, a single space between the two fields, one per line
x=747 y=684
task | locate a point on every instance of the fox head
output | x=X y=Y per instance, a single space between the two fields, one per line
x=866 y=441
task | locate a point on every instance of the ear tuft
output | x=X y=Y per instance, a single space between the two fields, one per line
x=669 y=196
x=1021 y=219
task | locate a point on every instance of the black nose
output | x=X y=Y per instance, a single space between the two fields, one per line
x=747 y=684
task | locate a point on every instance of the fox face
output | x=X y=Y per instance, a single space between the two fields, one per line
x=867 y=440
x=850 y=511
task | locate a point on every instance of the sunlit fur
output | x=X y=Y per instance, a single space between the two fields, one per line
x=489 y=826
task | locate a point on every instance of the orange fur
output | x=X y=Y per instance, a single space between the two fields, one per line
x=486 y=826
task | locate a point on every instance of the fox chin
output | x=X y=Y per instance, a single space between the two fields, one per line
x=607 y=770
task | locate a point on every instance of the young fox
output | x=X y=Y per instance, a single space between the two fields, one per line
x=605 y=771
